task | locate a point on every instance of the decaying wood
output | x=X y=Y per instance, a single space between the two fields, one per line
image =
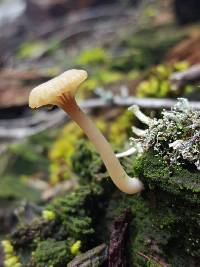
x=93 y=257
x=181 y=78
x=116 y=252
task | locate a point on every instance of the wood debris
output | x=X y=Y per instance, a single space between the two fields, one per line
x=93 y=257
x=117 y=253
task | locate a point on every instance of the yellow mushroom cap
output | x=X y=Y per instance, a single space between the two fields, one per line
x=47 y=93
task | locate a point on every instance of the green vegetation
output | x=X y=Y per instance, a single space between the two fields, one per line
x=146 y=47
x=177 y=181
x=94 y=56
x=30 y=50
x=51 y=253
x=63 y=149
x=67 y=225
x=131 y=55
x=14 y=188
x=173 y=214
x=157 y=83
x=31 y=155
x=164 y=224
x=175 y=136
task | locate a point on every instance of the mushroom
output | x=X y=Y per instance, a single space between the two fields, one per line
x=61 y=91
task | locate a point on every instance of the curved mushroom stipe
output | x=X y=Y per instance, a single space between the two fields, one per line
x=63 y=96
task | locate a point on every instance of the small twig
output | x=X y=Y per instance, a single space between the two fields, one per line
x=181 y=78
x=15 y=129
x=151 y=103
x=151 y=258
x=93 y=257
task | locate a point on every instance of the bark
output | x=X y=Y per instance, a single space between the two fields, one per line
x=117 y=253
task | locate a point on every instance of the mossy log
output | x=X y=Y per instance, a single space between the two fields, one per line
x=164 y=228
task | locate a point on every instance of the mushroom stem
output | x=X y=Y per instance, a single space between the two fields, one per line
x=118 y=175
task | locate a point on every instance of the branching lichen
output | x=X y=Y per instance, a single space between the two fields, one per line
x=176 y=136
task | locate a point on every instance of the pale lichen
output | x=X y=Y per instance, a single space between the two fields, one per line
x=175 y=136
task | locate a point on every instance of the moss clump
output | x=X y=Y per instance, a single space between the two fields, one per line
x=173 y=202
x=180 y=181
x=157 y=83
x=72 y=214
x=30 y=50
x=61 y=151
x=35 y=241
x=51 y=253
x=93 y=57
x=76 y=218
x=87 y=163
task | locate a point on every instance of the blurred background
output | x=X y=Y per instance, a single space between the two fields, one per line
x=144 y=52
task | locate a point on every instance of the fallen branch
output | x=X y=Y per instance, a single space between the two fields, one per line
x=15 y=129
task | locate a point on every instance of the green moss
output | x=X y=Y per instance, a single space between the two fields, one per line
x=164 y=226
x=157 y=83
x=35 y=49
x=172 y=208
x=74 y=220
x=94 y=56
x=180 y=181
x=61 y=152
x=87 y=163
x=71 y=212
x=101 y=77
x=52 y=253
x=134 y=53
x=30 y=156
